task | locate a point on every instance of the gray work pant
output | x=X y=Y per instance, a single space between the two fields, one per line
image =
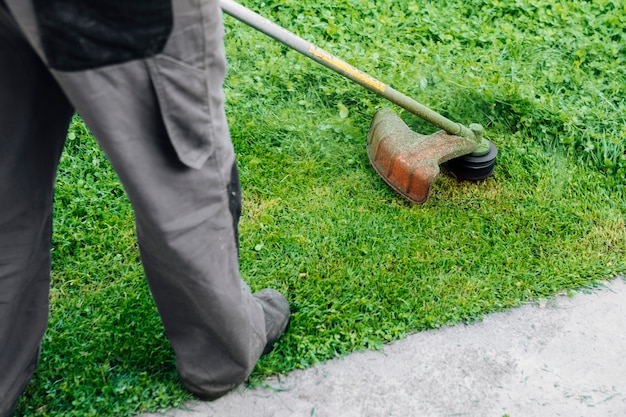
x=161 y=122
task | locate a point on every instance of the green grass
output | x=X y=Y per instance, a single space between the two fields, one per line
x=360 y=265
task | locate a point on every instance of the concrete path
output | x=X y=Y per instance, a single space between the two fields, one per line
x=562 y=357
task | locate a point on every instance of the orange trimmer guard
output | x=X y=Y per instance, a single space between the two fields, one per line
x=408 y=161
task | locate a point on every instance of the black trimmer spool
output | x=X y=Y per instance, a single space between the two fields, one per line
x=474 y=166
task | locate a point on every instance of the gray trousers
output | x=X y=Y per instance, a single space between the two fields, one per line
x=161 y=122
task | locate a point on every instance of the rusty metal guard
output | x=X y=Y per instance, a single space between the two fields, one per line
x=408 y=161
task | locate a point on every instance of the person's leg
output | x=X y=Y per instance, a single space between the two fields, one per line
x=162 y=124
x=186 y=234
x=34 y=116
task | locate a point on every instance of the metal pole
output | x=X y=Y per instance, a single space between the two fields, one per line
x=330 y=61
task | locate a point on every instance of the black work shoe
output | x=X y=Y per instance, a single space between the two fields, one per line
x=276 y=310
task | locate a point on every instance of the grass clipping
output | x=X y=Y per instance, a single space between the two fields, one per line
x=360 y=265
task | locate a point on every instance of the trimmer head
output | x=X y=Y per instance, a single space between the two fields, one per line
x=475 y=166
x=408 y=161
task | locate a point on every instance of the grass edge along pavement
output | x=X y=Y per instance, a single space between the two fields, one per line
x=360 y=265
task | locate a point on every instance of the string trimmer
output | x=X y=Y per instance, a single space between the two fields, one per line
x=406 y=160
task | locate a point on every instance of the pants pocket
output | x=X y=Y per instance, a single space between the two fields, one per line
x=183 y=97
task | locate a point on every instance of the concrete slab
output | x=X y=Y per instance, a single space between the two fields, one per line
x=562 y=357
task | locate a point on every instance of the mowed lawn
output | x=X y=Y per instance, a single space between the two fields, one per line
x=360 y=265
